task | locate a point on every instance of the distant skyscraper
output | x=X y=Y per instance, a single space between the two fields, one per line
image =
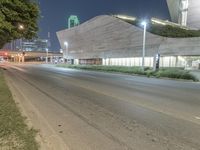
x=185 y=12
x=35 y=45
x=73 y=21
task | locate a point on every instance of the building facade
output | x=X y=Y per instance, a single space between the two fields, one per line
x=185 y=12
x=35 y=45
x=73 y=21
x=108 y=40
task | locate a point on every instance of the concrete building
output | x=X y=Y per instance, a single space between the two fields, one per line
x=108 y=40
x=28 y=45
x=73 y=21
x=35 y=45
x=185 y=12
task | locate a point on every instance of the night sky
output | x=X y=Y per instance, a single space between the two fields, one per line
x=54 y=13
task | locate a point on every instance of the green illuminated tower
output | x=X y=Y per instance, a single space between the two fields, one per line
x=73 y=21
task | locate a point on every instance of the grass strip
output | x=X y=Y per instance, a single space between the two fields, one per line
x=176 y=73
x=14 y=133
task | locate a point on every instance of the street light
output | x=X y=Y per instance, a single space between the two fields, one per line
x=47 y=53
x=144 y=23
x=21 y=27
x=65 y=53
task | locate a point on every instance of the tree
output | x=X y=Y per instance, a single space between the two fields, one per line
x=18 y=19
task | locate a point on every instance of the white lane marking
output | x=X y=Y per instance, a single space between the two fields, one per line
x=196 y=117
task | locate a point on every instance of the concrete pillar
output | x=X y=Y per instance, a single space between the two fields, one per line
x=23 y=59
x=51 y=59
x=176 y=63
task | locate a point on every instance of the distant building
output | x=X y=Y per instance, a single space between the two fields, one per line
x=28 y=45
x=35 y=45
x=185 y=12
x=73 y=21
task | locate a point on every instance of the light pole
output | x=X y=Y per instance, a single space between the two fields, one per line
x=21 y=27
x=144 y=23
x=61 y=51
x=65 y=53
x=47 y=53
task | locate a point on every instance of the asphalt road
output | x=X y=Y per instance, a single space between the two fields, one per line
x=103 y=111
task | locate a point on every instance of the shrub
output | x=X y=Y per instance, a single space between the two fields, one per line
x=167 y=30
x=178 y=73
x=175 y=73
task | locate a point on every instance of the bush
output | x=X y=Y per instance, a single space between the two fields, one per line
x=171 y=31
x=123 y=69
x=177 y=73
x=167 y=30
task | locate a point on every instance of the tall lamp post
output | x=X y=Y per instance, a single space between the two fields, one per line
x=65 y=53
x=47 y=53
x=144 y=23
x=22 y=56
x=21 y=27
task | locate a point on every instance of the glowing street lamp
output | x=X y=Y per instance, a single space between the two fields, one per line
x=144 y=23
x=21 y=27
x=66 y=44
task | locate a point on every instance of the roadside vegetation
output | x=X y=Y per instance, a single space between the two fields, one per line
x=167 y=30
x=176 y=73
x=14 y=133
x=173 y=32
x=18 y=19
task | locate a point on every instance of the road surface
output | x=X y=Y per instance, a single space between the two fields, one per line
x=85 y=110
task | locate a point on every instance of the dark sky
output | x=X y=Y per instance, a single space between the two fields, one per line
x=55 y=12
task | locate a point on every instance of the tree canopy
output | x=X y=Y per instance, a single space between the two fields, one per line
x=18 y=19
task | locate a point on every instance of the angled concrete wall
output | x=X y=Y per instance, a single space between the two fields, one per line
x=193 y=14
x=109 y=37
x=173 y=6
